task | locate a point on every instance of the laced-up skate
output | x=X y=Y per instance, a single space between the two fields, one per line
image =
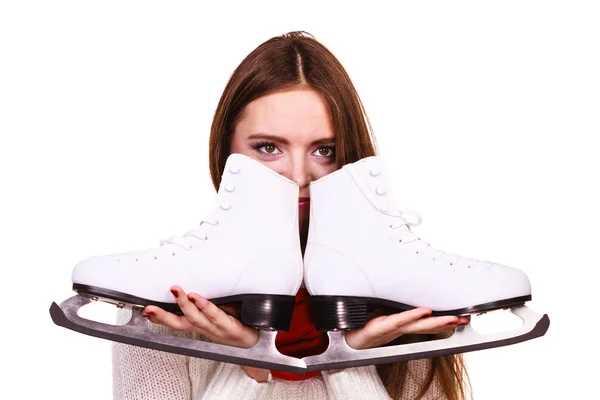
x=361 y=254
x=247 y=251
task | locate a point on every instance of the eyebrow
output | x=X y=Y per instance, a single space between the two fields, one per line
x=283 y=140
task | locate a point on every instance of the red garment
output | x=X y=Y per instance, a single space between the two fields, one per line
x=302 y=339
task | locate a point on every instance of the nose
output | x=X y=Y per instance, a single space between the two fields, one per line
x=300 y=171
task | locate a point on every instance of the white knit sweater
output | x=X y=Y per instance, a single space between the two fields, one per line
x=140 y=373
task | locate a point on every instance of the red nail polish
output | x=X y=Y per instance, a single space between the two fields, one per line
x=192 y=299
x=175 y=293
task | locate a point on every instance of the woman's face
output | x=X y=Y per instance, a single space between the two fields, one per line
x=289 y=132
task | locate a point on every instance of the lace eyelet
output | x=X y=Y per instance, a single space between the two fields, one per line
x=451 y=264
x=136 y=259
x=173 y=253
x=156 y=258
x=205 y=237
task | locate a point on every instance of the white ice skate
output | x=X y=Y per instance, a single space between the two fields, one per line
x=361 y=254
x=247 y=251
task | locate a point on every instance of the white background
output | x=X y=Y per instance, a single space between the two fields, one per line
x=486 y=112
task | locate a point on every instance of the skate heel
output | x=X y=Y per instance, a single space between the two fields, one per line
x=338 y=312
x=268 y=311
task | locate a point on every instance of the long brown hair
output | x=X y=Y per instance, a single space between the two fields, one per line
x=297 y=59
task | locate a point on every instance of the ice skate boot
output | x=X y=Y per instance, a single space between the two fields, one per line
x=362 y=254
x=247 y=251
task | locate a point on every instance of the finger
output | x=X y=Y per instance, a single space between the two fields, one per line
x=191 y=311
x=231 y=310
x=426 y=325
x=157 y=315
x=396 y=321
x=463 y=320
x=445 y=328
x=433 y=325
x=225 y=328
x=213 y=313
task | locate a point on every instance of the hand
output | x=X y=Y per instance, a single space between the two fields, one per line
x=205 y=318
x=383 y=329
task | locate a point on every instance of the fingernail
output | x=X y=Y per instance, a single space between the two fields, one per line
x=192 y=299
x=175 y=293
x=452 y=323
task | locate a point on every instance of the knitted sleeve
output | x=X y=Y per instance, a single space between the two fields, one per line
x=364 y=383
x=213 y=380
x=355 y=383
x=141 y=373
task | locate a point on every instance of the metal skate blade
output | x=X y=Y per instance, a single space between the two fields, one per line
x=465 y=339
x=263 y=354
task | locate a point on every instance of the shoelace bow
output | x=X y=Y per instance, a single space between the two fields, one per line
x=198 y=233
x=406 y=236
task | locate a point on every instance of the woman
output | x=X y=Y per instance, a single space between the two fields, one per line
x=290 y=105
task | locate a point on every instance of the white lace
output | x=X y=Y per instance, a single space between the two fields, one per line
x=406 y=236
x=198 y=233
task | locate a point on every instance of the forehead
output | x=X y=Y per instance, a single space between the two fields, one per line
x=293 y=113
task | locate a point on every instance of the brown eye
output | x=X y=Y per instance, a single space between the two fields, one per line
x=267 y=149
x=325 y=151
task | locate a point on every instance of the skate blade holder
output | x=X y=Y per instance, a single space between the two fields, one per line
x=264 y=354
x=465 y=339
x=135 y=332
